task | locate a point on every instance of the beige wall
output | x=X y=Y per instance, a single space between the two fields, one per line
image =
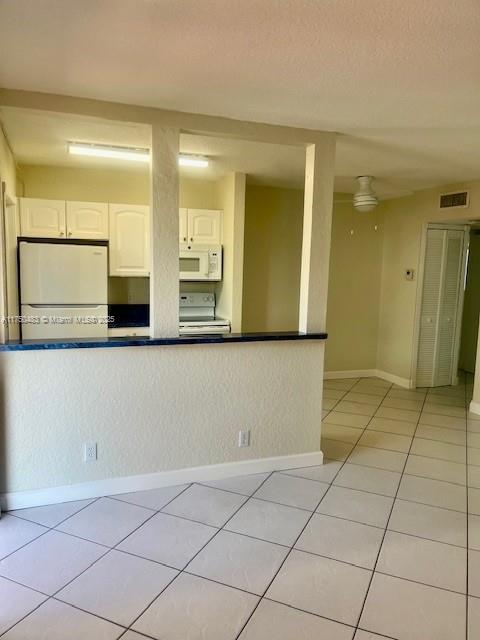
x=273 y=239
x=272 y=256
x=8 y=174
x=354 y=289
x=7 y=166
x=404 y=221
x=107 y=185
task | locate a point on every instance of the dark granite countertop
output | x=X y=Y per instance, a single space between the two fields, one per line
x=128 y=341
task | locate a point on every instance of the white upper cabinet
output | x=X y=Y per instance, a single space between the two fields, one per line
x=182 y=225
x=204 y=226
x=42 y=218
x=87 y=220
x=129 y=250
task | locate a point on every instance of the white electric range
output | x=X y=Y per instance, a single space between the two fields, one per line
x=197 y=315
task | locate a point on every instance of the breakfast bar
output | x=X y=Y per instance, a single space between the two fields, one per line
x=91 y=343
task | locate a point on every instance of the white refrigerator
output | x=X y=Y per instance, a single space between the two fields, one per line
x=63 y=290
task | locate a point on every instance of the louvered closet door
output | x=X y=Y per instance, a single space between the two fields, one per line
x=441 y=288
x=453 y=251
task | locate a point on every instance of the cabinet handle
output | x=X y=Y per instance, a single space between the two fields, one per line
x=191 y=239
x=69 y=233
x=184 y=238
x=61 y=233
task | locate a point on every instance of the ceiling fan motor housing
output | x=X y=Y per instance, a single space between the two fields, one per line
x=365 y=199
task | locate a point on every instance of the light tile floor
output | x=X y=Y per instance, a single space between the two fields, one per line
x=383 y=541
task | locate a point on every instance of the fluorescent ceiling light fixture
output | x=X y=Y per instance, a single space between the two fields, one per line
x=106 y=151
x=192 y=161
x=129 y=153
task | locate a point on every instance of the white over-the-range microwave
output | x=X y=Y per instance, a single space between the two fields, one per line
x=200 y=263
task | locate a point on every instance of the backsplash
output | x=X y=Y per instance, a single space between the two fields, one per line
x=128 y=290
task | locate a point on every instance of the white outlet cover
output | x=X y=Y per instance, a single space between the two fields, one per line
x=90 y=452
x=244 y=438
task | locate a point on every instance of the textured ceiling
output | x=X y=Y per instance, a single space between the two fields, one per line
x=400 y=80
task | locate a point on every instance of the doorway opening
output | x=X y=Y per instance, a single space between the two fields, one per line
x=471 y=305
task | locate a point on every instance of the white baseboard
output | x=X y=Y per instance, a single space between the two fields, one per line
x=369 y=373
x=113 y=486
x=474 y=407
x=351 y=373
x=390 y=377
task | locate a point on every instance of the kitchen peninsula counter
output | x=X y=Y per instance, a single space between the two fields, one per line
x=129 y=341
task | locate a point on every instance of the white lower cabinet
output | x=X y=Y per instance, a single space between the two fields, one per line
x=129 y=249
x=41 y=218
x=87 y=220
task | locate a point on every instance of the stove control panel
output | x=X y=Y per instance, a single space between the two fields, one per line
x=197 y=299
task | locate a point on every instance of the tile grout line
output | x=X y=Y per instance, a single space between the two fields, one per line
x=108 y=550
x=299 y=535
x=387 y=523
x=114 y=548
x=48 y=529
x=183 y=570
x=367 y=446
x=295 y=541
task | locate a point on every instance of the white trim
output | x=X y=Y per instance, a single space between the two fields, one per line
x=474 y=407
x=446 y=225
x=390 y=377
x=369 y=373
x=418 y=304
x=352 y=373
x=113 y=486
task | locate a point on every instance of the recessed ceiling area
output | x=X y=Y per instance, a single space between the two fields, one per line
x=40 y=138
x=398 y=81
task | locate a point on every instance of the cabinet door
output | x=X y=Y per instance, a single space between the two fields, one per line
x=42 y=218
x=129 y=250
x=182 y=225
x=88 y=220
x=204 y=226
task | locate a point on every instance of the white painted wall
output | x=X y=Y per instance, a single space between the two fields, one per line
x=153 y=408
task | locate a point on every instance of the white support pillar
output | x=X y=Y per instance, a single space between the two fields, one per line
x=164 y=284
x=317 y=226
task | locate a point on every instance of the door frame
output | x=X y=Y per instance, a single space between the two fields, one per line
x=419 y=297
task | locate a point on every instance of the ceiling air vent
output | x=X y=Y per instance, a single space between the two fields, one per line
x=454 y=200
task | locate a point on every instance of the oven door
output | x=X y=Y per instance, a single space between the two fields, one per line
x=194 y=265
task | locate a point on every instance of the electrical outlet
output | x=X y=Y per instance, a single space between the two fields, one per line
x=244 y=438
x=90 y=452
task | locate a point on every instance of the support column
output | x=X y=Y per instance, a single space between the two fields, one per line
x=317 y=226
x=164 y=266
